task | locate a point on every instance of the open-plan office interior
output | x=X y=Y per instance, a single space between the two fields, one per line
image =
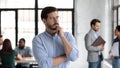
x=21 y=19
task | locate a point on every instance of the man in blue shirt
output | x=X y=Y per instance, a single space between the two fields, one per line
x=24 y=51
x=53 y=48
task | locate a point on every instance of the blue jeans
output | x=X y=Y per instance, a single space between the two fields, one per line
x=95 y=64
x=116 y=63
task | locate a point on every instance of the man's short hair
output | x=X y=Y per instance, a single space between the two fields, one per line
x=118 y=28
x=94 y=21
x=1 y=36
x=46 y=11
x=22 y=39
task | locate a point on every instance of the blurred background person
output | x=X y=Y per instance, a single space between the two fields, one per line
x=24 y=51
x=115 y=49
x=95 y=56
x=7 y=55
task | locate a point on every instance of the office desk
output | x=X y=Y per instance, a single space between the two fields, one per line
x=26 y=60
x=31 y=60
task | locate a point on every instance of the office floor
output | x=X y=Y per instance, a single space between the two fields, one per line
x=81 y=62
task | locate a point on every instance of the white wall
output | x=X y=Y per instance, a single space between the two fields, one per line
x=85 y=11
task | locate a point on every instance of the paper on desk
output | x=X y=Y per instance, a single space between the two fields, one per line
x=114 y=49
x=28 y=58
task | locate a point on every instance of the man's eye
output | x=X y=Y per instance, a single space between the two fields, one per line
x=51 y=17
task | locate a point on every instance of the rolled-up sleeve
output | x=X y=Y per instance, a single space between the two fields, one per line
x=40 y=54
x=75 y=52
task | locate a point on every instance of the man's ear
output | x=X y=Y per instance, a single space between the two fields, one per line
x=92 y=26
x=44 y=20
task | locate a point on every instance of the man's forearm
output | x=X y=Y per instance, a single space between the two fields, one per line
x=67 y=45
x=58 y=60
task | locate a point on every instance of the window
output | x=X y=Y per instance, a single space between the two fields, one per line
x=57 y=3
x=21 y=15
x=26 y=25
x=17 y=3
x=8 y=25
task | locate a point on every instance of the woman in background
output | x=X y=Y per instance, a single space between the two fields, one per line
x=115 y=49
x=8 y=55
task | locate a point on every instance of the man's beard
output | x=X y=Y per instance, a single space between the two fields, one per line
x=21 y=47
x=53 y=27
x=95 y=30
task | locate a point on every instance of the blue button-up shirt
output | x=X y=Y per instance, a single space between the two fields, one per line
x=46 y=46
x=25 y=51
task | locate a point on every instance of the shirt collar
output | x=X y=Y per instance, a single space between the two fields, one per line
x=48 y=34
x=96 y=33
